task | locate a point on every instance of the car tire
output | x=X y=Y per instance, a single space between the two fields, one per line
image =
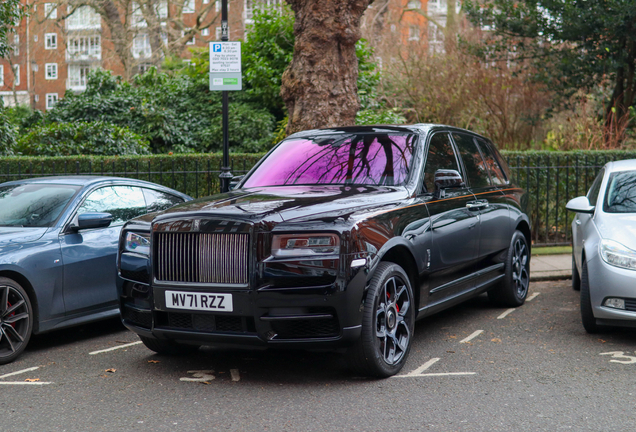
x=167 y=347
x=16 y=320
x=513 y=289
x=576 y=279
x=587 y=314
x=387 y=324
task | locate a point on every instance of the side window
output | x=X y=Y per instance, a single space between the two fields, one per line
x=592 y=195
x=123 y=202
x=158 y=201
x=502 y=162
x=476 y=168
x=496 y=173
x=440 y=156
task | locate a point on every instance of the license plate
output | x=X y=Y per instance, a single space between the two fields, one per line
x=199 y=301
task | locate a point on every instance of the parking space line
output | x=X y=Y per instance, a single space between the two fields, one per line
x=417 y=373
x=533 y=296
x=20 y=372
x=114 y=348
x=425 y=366
x=506 y=313
x=472 y=336
x=23 y=383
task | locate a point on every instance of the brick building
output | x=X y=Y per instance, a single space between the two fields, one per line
x=58 y=44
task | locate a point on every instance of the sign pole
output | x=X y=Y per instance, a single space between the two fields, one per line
x=225 y=175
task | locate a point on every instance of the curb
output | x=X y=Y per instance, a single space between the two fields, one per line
x=552 y=277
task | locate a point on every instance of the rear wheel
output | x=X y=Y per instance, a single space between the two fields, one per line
x=16 y=320
x=513 y=289
x=168 y=347
x=387 y=324
x=576 y=279
x=587 y=314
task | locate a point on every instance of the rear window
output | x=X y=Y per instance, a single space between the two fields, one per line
x=339 y=159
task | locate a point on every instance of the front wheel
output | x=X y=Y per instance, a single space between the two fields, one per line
x=16 y=320
x=587 y=313
x=513 y=290
x=387 y=324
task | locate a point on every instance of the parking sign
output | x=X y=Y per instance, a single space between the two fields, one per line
x=225 y=66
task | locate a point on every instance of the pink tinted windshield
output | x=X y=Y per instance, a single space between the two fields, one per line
x=369 y=159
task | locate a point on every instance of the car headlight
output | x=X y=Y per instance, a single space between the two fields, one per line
x=618 y=255
x=138 y=243
x=293 y=245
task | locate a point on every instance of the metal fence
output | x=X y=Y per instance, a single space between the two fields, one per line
x=550 y=181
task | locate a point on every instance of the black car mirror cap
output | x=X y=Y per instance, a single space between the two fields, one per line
x=445 y=179
x=580 y=205
x=91 y=220
x=235 y=181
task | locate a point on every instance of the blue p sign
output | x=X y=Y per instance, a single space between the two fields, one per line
x=216 y=47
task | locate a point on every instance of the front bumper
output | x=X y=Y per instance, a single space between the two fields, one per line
x=321 y=317
x=607 y=281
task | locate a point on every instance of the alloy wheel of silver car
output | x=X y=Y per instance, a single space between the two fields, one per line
x=16 y=320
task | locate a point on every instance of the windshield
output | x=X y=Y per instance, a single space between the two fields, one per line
x=339 y=159
x=621 y=193
x=33 y=205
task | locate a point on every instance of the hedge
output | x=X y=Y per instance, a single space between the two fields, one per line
x=551 y=178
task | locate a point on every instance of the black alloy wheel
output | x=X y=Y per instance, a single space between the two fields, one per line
x=387 y=324
x=576 y=279
x=587 y=313
x=16 y=320
x=513 y=290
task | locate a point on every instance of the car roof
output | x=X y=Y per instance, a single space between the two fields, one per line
x=623 y=165
x=88 y=180
x=412 y=128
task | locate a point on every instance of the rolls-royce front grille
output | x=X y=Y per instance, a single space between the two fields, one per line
x=202 y=257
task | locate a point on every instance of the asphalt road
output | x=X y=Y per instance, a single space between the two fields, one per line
x=472 y=368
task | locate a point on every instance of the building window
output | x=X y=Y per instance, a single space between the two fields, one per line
x=191 y=41
x=51 y=100
x=433 y=4
x=50 y=10
x=188 y=6
x=414 y=33
x=137 y=19
x=50 y=71
x=217 y=5
x=218 y=33
x=50 y=41
x=16 y=75
x=144 y=67
x=84 y=17
x=414 y=4
x=205 y=32
x=37 y=98
x=1 y=75
x=141 y=46
x=162 y=9
x=84 y=47
x=78 y=76
x=16 y=44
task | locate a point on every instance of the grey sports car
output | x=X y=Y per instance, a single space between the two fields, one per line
x=604 y=248
x=58 y=245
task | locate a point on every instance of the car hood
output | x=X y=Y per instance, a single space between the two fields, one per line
x=620 y=227
x=290 y=202
x=17 y=235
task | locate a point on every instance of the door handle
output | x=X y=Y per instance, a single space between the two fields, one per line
x=477 y=205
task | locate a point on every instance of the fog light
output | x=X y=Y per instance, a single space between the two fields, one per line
x=615 y=303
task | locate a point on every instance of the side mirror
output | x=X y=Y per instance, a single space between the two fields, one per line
x=235 y=181
x=445 y=179
x=580 y=205
x=92 y=220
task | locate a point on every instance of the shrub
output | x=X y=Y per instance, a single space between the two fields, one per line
x=77 y=138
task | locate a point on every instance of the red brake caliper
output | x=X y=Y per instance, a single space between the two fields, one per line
x=12 y=313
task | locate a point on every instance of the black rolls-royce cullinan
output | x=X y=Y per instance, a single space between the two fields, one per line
x=338 y=238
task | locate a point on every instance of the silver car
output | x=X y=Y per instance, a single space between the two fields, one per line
x=604 y=248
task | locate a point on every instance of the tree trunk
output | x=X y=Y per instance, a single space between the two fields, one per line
x=320 y=85
x=617 y=114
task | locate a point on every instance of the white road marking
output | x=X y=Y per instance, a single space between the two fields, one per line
x=20 y=372
x=200 y=376
x=620 y=355
x=235 y=375
x=24 y=383
x=114 y=348
x=472 y=336
x=533 y=296
x=418 y=372
x=425 y=366
x=506 y=313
